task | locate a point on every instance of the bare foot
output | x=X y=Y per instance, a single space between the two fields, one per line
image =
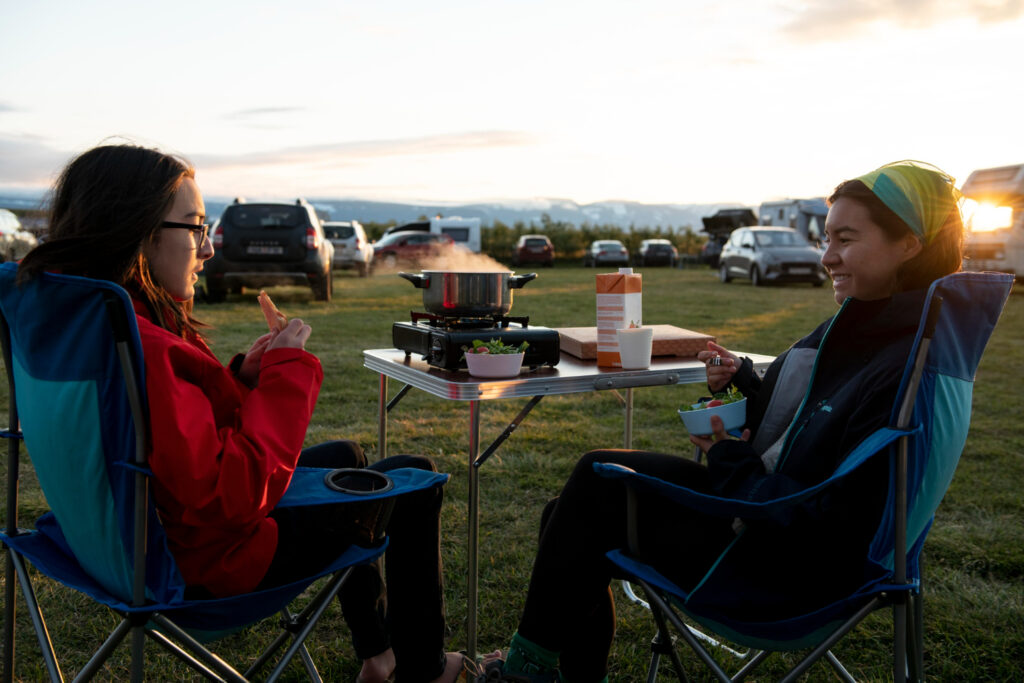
x=377 y=669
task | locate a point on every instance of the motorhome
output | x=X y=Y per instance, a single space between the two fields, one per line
x=465 y=231
x=806 y=216
x=994 y=217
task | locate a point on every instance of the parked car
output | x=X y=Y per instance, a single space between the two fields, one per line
x=14 y=242
x=710 y=252
x=606 y=252
x=351 y=248
x=655 y=252
x=767 y=255
x=534 y=249
x=411 y=247
x=269 y=243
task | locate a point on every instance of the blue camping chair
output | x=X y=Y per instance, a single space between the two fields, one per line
x=77 y=386
x=929 y=424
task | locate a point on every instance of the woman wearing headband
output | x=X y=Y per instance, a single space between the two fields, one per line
x=889 y=234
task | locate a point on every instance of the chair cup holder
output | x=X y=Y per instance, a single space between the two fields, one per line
x=368 y=520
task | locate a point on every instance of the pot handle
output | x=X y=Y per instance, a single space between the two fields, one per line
x=421 y=281
x=517 y=281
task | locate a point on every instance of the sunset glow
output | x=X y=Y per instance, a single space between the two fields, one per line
x=658 y=101
x=984 y=217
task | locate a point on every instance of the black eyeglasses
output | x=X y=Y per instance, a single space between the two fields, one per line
x=199 y=232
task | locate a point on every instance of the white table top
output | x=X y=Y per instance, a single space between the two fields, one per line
x=571 y=375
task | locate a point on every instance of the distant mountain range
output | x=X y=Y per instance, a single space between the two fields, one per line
x=621 y=213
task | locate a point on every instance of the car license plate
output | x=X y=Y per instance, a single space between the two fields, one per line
x=264 y=250
x=799 y=271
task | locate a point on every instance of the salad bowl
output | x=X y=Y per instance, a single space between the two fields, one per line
x=732 y=408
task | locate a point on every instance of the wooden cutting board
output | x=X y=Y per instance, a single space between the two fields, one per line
x=669 y=340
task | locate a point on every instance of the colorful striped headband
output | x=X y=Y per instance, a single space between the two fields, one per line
x=922 y=195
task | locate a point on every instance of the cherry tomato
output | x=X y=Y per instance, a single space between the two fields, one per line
x=714 y=403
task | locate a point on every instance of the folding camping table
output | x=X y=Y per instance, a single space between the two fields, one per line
x=570 y=376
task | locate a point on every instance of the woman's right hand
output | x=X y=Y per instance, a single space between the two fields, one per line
x=719 y=376
x=293 y=336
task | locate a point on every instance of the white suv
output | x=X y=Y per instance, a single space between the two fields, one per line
x=351 y=248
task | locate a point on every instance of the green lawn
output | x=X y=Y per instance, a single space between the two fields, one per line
x=974 y=558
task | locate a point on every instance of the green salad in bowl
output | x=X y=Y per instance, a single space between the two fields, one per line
x=729 y=405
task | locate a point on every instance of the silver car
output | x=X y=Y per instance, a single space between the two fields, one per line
x=351 y=248
x=767 y=255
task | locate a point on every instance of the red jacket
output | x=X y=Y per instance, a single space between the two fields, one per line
x=222 y=454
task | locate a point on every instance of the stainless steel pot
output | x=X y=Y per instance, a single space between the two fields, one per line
x=467 y=294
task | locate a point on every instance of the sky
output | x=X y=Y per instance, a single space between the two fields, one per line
x=673 y=101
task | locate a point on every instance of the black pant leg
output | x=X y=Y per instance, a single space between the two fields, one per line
x=569 y=607
x=414 y=576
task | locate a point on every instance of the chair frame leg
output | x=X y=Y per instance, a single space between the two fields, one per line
x=38 y=623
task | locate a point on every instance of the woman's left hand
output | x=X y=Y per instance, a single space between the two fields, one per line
x=249 y=372
x=705 y=441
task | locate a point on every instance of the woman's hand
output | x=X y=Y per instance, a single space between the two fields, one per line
x=720 y=366
x=293 y=336
x=249 y=371
x=705 y=441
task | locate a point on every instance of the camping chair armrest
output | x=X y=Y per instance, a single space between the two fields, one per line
x=308 y=487
x=718 y=506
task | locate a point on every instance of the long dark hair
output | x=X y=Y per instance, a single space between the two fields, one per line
x=107 y=204
x=944 y=255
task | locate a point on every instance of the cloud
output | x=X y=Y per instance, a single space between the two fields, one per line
x=7 y=107
x=818 y=20
x=353 y=153
x=27 y=160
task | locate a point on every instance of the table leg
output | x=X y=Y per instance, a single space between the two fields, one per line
x=382 y=418
x=472 y=559
x=627 y=435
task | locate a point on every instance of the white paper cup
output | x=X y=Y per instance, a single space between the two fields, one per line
x=635 y=347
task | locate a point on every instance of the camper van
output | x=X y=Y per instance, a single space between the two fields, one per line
x=806 y=216
x=994 y=217
x=465 y=231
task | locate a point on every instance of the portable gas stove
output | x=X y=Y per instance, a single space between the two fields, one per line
x=439 y=340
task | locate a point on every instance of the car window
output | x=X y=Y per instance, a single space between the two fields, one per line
x=266 y=216
x=775 y=239
x=341 y=233
x=536 y=242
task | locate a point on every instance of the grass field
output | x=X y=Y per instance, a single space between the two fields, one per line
x=974 y=558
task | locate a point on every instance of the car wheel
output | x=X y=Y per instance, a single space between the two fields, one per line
x=323 y=288
x=391 y=261
x=723 y=274
x=755 y=277
x=364 y=269
x=818 y=283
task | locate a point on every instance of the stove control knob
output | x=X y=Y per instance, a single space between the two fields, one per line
x=436 y=352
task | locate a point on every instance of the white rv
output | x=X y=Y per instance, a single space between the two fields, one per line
x=806 y=216
x=465 y=231
x=994 y=217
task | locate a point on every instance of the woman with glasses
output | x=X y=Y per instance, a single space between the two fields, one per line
x=225 y=440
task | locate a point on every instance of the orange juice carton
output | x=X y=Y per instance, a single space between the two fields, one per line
x=618 y=305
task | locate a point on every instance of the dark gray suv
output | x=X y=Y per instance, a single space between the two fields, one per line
x=269 y=243
x=770 y=255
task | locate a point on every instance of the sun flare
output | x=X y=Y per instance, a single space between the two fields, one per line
x=984 y=217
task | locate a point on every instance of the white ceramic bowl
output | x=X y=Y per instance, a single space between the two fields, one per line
x=734 y=416
x=494 y=364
